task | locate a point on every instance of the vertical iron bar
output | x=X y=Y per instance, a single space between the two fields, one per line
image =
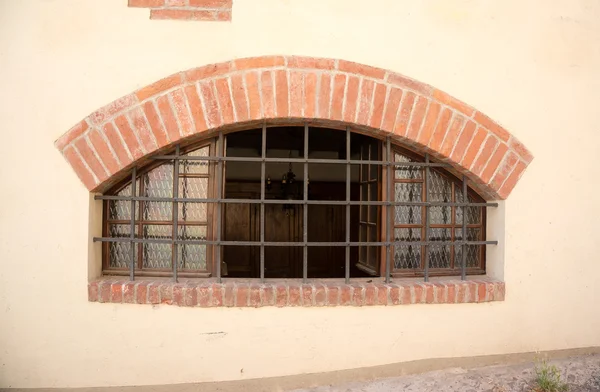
x=427 y=219
x=463 y=267
x=132 y=227
x=389 y=209
x=263 y=154
x=305 y=210
x=219 y=199
x=175 y=212
x=348 y=173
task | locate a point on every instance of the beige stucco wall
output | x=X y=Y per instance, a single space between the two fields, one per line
x=532 y=65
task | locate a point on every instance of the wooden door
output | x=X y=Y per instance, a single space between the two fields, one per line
x=283 y=225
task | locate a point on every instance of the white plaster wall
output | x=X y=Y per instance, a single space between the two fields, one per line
x=534 y=66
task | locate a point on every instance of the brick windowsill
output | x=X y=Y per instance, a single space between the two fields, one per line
x=242 y=293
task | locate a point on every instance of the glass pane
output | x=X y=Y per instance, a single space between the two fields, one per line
x=193 y=187
x=119 y=253
x=195 y=167
x=121 y=209
x=373 y=197
x=473 y=251
x=439 y=255
x=473 y=213
x=408 y=214
x=364 y=172
x=192 y=212
x=440 y=190
x=407 y=172
x=374 y=172
x=158 y=182
x=191 y=256
x=407 y=256
x=372 y=251
x=157 y=255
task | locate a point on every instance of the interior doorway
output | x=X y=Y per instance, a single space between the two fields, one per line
x=284 y=182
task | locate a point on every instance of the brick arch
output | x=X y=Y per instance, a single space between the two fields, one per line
x=337 y=93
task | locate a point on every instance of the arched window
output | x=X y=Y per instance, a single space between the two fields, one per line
x=293 y=202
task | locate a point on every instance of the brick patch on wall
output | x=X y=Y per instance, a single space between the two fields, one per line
x=327 y=92
x=207 y=293
x=207 y=10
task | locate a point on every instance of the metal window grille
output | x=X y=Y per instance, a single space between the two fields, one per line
x=389 y=242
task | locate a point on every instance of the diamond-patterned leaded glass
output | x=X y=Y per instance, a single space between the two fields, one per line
x=407 y=256
x=157 y=255
x=407 y=172
x=440 y=190
x=192 y=256
x=195 y=167
x=121 y=209
x=408 y=191
x=473 y=251
x=473 y=213
x=158 y=182
x=439 y=255
x=120 y=252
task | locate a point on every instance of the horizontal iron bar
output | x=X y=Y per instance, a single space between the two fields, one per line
x=273 y=243
x=284 y=201
x=298 y=160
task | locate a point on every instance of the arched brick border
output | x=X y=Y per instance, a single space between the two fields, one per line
x=331 y=92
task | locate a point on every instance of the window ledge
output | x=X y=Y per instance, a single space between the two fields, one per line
x=281 y=293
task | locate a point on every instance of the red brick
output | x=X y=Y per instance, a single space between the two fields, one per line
x=406 y=298
x=345 y=295
x=166 y=293
x=116 y=292
x=153 y=293
x=311 y=63
x=282 y=94
x=223 y=16
x=179 y=103
x=404 y=82
x=224 y=98
x=391 y=110
x=416 y=121
x=484 y=155
x=320 y=295
x=295 y=295
x=254 y=292
x=217 y=295
x=240 y=102
x=471 y=292
x=93 y=291
x=511 y=181
x=452 y=135
x=190 y=293
x=366 y=101
x=481 y=291
x=204 y=295
x=178 y=297
x=378 y=105
x=259 y=62
x=310 y=95
x=105 y=113
x=395 y=294
x=440 y=293
x=451 y=299
x=141 y=293
x=463 y=141
x=146 y=3
x=403 y=117
x=453 y=102
x=254 y=100
x=440 y=130
x=499 y=291
x=213 y=115
x=210 y=3
x=429 y=293
x=158 y=87
x=419 y=291
x=158 y=130
x=129 y=137
x=337 y=97
x=208 y=71
x=370 y=295
x=473 y=148
x=115 y=141
x=307 y=295
x=179 y=14
x=431 y=119
x=357 y=294
x=494 y=162
x=365 y=70
x=193 y=99
x=242 y=295
x=104 y=152
x=333 y=294
x=91 y=159
x=382 y=293
x=296 y=94
x=138 y=120
x=104 y=290
x=351 y=99
x=506 y=167
x=129 y=293
x=84 y=174
x=176 y=3
x=520 y=149
x=324 y=96
x=72 y=134
x=268 y=295
x=461 y=296
x=168 y=117
x=268 y=94
x=493 y=126
x=281 y=295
